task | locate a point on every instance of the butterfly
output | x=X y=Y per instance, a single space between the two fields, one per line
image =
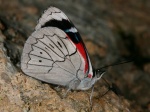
x=55 y=53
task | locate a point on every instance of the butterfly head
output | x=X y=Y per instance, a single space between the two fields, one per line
x=98 y=73
x=88 y=82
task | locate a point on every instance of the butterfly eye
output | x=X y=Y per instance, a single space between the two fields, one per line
x=40 y=52
x=98 y=73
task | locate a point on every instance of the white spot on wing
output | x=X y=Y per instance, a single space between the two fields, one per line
x=73 y=29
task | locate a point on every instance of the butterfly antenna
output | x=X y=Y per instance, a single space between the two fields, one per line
x=104 y=68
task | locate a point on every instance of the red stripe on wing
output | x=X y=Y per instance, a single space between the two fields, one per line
x=81 y=49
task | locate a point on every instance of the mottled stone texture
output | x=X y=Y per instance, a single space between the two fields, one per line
x=112 y=31
x=22 y=93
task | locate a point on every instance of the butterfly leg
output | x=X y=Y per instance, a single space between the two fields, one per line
x=64 y=96
x=72 y=85
x=57 y=88
x=91 y=104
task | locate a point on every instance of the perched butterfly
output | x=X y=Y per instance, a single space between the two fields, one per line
x=56 y=54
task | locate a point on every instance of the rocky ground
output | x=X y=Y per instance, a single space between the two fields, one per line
x=112 y=31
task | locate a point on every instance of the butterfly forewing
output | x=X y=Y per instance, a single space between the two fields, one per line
x=50 y=14
x=54 y=17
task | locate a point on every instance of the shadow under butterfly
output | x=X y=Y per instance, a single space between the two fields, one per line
x=55 y=53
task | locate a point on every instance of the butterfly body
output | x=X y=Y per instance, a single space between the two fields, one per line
x=55 y=53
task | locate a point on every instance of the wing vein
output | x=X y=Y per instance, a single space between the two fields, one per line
x=50 y=48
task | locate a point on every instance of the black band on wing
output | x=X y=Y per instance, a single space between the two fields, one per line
x=64 y=25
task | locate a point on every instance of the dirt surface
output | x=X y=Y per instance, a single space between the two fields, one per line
x=112 y=31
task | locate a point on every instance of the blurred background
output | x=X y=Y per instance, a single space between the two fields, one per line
x=112 y=31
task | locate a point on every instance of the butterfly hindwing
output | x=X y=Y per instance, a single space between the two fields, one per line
x=50 y=56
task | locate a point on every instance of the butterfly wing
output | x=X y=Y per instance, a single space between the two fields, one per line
x=55 y=52
x=54 y=17
x=49 y=16
x=50 y=56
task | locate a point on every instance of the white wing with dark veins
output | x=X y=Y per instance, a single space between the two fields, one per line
x=50 y=56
